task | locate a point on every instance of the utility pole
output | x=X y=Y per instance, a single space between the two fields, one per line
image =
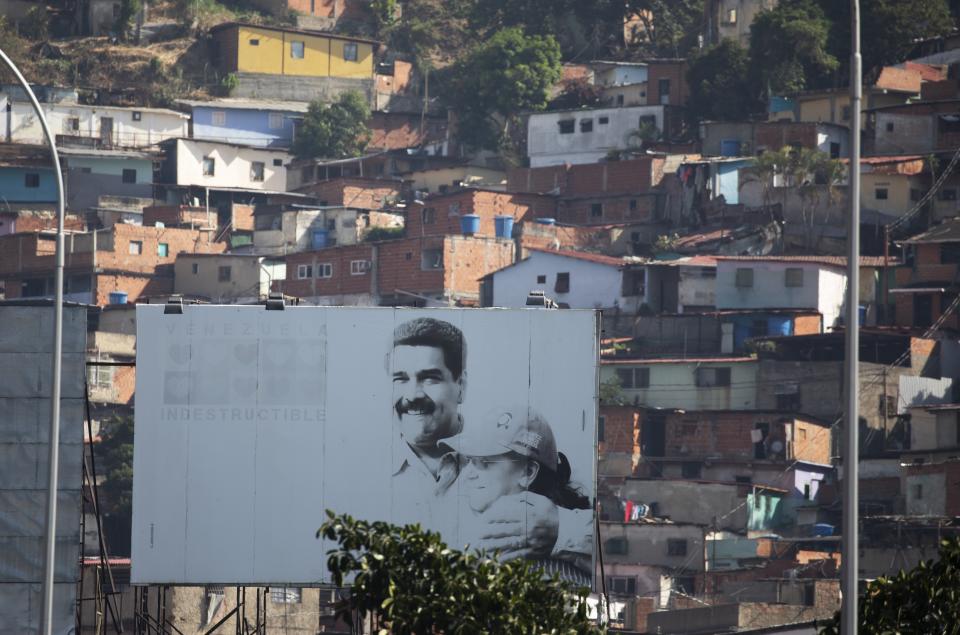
x=53 y=456
x=851 y=501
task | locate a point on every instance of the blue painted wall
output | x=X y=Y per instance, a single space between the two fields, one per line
x=250 y=127
x=730 y=180
x=13 y=187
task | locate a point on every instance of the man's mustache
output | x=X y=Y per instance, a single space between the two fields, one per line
x=422 y=405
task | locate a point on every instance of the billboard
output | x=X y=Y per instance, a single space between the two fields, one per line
x=477 y=423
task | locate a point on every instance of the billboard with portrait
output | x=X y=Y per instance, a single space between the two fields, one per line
x=477 y=423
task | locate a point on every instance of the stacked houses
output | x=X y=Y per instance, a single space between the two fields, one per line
x=722 y=288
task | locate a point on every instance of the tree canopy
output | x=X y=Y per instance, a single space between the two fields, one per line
x=509 y=73
x=673 y=27
x=719 y=90
x=334 y=131
x=788 y=46
x=409 y=580
x=925 y=599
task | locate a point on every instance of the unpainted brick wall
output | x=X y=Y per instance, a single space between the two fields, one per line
x=615 y=209
x=466 y=260
x=448 y=209
x=355 y=192
x=342 y=281
x=135 y=286
x=399 y=266
x=807 y=324
x=634 y=176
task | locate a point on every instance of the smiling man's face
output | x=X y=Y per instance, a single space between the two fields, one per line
x=425 y=395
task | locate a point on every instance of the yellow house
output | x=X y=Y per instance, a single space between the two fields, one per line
x=248 y=48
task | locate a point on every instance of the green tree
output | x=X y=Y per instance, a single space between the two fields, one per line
x=925 y=599
x=509 y=73
x=764 y=171
x=889 y=28
x=788 y=48
x=36 y=25
x=719 y=90
x=334 y=131
x=128 y=10
x=408 y=581
x=115 y=465
x=673 y=27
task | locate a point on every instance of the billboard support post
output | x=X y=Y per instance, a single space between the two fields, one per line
x=53 y=456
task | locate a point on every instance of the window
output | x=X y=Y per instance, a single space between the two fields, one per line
x=586 y=125
x=790 y=402
x=254 y=42
x=541 y=280
x=648 y=121
x=324 y=270
x=794 y=277
x=129 y=175
x=617 y=546
x=209 y=166
x=633 y=205
x=676 y=546
x=256 y=171
x=278 y=163
x=802 y=434
x=223 y=273
x=163 y=250
x=563 y=283
x=100 y=376
x=881 y=194
x=948 y=194
x=634 y=377
x=275 y=120
x=888 y=406
x=730 y=17
x=431 y=259
x=359 y=267
x=949 y=255
x=744 y=277
x=304 y=272
x=218 y=118
x=834 y=150
x=296 y=50
x=453 y=209
x=707 y=377
x=73 y=124
x=889 y=126
x=285 y=596
x=596 y=210
x=622 y=585
x=601 y=426
x=845 y=113
x=428 y=216
x=350 y=52
x=136 y=115
x=603 y=120
x=31 y=179
x=691 y=469
x=135 y=247
x=566 y=126
x=619 y=100
x=663 y=86
x=917 y=491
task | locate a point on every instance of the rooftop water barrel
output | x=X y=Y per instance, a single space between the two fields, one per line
x=547 y=221
x=118 y=297
x=469 y=224
x=504 y=226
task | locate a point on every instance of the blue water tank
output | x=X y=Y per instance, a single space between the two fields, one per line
x=729 y=148
x=320 y=238
x=118 y=297
x=823 y=529
x=862 y=314
x=547 y=221
x=779 y=325
x=504 y=226
x=469 y=224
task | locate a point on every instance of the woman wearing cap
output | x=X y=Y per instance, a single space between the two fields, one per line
x=513 y=450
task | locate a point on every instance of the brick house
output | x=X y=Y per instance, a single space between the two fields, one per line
x=440 y=214
x=927 y=284
x=423 y=271
x=132 y=259
x=667 y=82
x=347 y=191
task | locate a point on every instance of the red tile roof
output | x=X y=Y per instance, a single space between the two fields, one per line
x=581 y=255
x=831 y=261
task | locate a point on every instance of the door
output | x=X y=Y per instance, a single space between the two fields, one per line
x=922 y=309
x=652 y=435
x=106 y=131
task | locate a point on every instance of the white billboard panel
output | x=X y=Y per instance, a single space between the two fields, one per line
x=479 y=424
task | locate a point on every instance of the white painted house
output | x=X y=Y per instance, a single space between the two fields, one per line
x=585 y=135
x=783 y=282
x=97 y=126
x=707 y=383
x=576 y=279
x=225 y=165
